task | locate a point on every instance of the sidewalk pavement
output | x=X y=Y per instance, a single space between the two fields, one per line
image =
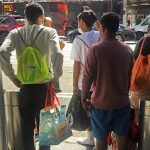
x=70 y=144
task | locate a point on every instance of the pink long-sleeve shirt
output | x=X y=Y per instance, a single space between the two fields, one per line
x=109 y=67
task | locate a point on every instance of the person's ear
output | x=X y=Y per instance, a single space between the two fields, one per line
x=79 y=23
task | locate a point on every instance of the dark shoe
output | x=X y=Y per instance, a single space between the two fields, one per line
x=57 y=90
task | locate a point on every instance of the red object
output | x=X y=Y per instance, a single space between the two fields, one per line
x=109 y=141
x=51 y=97
x=62 y=7
x=19 y=25
x=131 y=31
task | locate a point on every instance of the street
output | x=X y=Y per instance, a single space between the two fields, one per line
x=65 y=95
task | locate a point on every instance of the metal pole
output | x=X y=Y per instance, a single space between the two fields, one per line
x=3 y=143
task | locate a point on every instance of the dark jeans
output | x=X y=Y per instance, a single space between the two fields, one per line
x=31 y=101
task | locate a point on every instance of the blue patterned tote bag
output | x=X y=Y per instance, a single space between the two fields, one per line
x=54 y=126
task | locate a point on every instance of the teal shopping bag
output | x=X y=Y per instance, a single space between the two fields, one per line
x=54 y=126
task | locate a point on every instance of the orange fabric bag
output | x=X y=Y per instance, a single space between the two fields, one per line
x=140 y=79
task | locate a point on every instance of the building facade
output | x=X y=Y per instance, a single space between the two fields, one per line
x=137 y=10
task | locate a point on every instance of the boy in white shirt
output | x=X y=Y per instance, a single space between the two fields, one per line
x=80 y=47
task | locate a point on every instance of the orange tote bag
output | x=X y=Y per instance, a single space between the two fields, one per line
x=140 y=79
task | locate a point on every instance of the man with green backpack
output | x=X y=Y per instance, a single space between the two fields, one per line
x=34 y=45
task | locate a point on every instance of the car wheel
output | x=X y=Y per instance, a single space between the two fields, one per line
x=67 y=31
x=139 y=35
x=120 y=37
x=3 y=35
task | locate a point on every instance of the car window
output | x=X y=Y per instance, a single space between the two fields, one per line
x=1 y=19
x=121 y=26
x=6 y=21
x=146 y=22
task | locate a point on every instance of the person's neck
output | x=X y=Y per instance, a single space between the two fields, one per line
x=31 y=23
x=109 y=37
x=87 y=29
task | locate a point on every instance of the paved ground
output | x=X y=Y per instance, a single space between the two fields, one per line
x=66 y=86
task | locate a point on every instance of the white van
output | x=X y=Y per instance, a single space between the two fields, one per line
x=141 y=29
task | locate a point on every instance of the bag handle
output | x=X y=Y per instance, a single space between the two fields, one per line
x=53 y=97
x=142 y=44
x=85 y=45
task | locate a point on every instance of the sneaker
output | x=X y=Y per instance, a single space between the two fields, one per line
x=86 y=141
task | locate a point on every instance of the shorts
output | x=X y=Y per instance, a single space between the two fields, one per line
x=105 y=121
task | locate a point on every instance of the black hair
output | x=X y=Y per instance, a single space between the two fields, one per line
x=88 y=17
x=33 y=11
x=84 y=8
x=110 y=21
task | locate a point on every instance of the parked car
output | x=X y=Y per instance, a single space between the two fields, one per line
x=141 y=29
x=8 y=23
x=123 y=34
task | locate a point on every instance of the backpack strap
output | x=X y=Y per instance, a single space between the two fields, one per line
x=22 y=38
x=37 y=36
x=83 y=41
x=33 y=40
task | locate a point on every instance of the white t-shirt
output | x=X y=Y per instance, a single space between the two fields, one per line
x=80 y=49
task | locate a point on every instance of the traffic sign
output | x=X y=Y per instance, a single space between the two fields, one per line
x=8 y=7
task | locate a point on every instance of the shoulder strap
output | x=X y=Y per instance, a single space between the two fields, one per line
x=37 y=36
x=142 y=45
x=22 y=38
x=99 y=38
x=83 y=41
x=33 y=40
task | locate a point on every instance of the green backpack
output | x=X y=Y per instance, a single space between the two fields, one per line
x=32 y=66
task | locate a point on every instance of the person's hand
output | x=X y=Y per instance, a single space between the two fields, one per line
x=17 y=83
x=62 y=44
x=87 y=105
x=75 y=90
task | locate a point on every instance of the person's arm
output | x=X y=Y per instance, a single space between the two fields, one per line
x=57 y=56
x=5 y=53
x=76 y=73
x=88 y=77
x=76 y=57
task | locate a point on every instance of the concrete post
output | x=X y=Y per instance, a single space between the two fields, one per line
x=3 y=141
x=125 y=11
